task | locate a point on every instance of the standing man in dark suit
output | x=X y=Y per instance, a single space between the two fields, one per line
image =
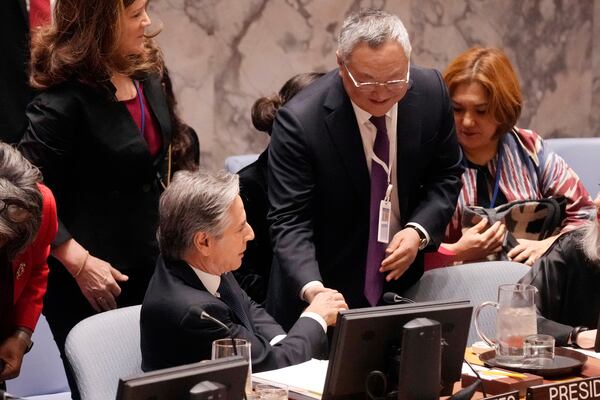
x=15 y=92
x=202 y=237
x=364 y=172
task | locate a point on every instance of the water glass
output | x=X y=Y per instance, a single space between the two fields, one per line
x=224 y=348
x=539 y=351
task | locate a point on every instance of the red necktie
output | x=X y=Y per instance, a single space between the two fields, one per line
x=39 y=13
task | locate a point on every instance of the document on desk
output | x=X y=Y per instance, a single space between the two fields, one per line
x=307 y=379
x=589 y=353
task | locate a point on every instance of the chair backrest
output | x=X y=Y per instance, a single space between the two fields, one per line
x=235 y=163
x=582 y=156
x=42 y=371
x=103 y=348
x=477 y=282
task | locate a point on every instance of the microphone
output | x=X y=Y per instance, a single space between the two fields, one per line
x=198 y=312
x=393 y=298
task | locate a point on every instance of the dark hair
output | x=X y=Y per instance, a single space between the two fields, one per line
x=83 y=44
x=490 y=68
x=18 y=180
x=264 y=109
x=185 y=149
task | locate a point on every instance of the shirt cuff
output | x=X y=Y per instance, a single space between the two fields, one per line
x=421 y=229
x=308 y=285
x=277 y=339
x=316 y=317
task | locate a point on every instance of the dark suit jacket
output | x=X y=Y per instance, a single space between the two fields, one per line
x=171 y=335
x=253 y=275
x=319 y=185
x=15 y=92
x=567 y=283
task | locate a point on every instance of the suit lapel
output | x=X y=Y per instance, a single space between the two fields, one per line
x=156 y=99
x=23 y=8
x=343 y=130
x=408 y=139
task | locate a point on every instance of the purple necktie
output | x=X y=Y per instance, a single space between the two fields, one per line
x=379 y=183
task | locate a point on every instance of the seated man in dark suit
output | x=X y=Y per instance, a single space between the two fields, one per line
x=202 y=237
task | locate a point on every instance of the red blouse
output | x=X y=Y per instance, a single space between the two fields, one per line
x=30 y=268
x=151 y=132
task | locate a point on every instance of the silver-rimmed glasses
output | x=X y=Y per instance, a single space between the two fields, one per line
x=396 y=85
x=15 y=210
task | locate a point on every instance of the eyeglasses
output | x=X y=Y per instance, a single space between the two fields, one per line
x=15 y=210
x=396 y=85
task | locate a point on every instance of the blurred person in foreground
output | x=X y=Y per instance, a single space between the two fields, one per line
x=28 y=224
x=567 y=278
x=202 y=236
x=503 y=163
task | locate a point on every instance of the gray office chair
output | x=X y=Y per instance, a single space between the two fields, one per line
x=582 y=155
x=234 y=164
x=104 y=348
x=477 y=282
x=42 y=374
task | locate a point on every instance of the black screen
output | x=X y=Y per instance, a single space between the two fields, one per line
x=364 y=338
x=175 y=383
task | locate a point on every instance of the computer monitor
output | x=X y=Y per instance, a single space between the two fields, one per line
x=175 y=383
x=364 y=339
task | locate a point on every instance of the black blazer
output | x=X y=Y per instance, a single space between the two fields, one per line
x=567 y=282
x=171 y=335
x=253 y=275
x=15 y=92
x=97 y=163
x=319 y=185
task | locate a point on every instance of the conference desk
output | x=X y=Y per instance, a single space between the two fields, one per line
x=591 y=369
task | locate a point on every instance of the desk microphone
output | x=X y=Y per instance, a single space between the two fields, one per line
x=393 y=298
x=198 y=312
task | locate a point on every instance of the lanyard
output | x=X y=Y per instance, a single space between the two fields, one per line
x=387 y=168
x=142 y=108
x=498 y=173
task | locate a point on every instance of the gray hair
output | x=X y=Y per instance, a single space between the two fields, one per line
x=591 y=240
x=195 y=201
x=18 y=180
x=374 y=27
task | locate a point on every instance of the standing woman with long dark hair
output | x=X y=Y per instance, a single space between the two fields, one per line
x=101 y=131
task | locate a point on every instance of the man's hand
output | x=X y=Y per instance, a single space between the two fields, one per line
x=478 y=241
x=401 y=252
x=11 y=352
x=327 y=304
x=312 y=291
x=528 y=251
x=586 y=339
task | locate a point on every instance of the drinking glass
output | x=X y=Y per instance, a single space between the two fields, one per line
x=538 y=351
x=225 y=348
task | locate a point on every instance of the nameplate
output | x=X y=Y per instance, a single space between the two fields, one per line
x=583 y=389
x=505 y=396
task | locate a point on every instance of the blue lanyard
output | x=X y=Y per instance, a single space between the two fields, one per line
x=142 y=109
x=498 y=173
